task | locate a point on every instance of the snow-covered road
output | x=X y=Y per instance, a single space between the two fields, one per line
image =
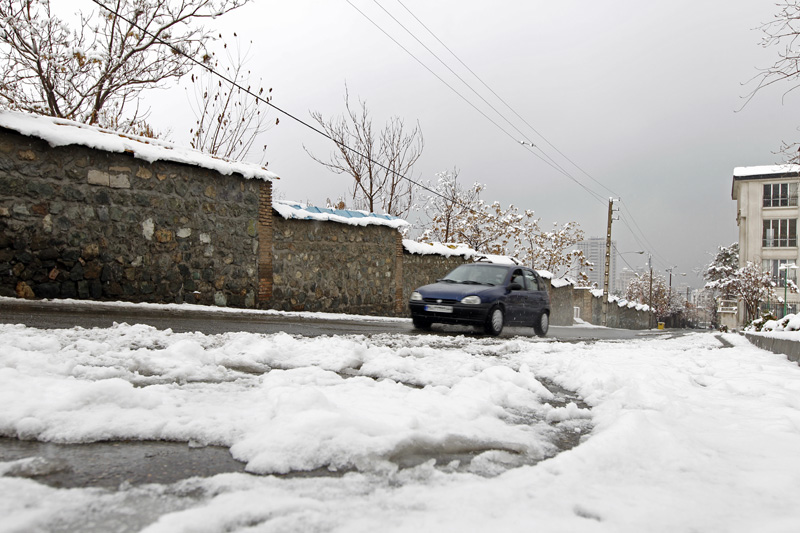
x=682 y=435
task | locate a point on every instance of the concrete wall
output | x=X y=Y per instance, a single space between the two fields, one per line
x=82 y=223
x=789 y=348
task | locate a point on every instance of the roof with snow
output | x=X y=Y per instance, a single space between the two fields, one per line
x=352 y=217
x=62 y=132
x=766 y=172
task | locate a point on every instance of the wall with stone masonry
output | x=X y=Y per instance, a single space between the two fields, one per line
x=419 y=270
x=82 y=223
x=334 y=267
x=561 y=308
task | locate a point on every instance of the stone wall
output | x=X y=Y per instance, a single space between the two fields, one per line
x=422 y=269
x=334 y=267
x=82 y=223
x=561 y=305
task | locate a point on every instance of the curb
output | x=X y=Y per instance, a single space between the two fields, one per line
x=791 y=349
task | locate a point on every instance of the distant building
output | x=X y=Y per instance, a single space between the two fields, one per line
x=624 y=279
x=594 y=249
x=767 y=213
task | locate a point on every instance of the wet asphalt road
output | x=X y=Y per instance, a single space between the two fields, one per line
x=55 y=315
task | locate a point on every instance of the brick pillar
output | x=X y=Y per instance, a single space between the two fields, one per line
x=399 y=304
x=264 y=245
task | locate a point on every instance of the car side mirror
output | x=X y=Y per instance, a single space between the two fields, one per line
x=514 y=287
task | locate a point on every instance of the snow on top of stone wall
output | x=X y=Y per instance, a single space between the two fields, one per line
x=352 y=217
x=560 y=282
x=437 y=248
x=62 y=132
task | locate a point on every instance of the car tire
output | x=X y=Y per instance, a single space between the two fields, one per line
x=421 y=323
x=494 y=321
x=541 y=325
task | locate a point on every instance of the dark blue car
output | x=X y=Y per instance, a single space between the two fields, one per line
x=486 y=295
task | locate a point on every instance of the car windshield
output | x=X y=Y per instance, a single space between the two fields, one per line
x=477 y=274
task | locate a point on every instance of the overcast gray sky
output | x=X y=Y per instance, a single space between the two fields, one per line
x=643 y=96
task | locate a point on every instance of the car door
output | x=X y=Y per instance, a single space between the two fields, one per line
x=516 y=300
x=537 y=298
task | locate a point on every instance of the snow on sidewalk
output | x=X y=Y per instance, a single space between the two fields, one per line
x=687 y=435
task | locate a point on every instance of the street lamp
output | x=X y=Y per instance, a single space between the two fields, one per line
x=786 y=267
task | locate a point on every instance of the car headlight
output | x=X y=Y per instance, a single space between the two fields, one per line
x=471 y=300
x=416 y=297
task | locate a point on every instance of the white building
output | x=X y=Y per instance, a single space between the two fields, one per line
x=767 y=213
x=594 y=249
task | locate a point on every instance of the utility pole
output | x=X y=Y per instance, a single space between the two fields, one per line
x=607 y=265
x=650 y=301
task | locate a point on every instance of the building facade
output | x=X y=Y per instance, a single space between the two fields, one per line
x=594 y=249
x=767 y=213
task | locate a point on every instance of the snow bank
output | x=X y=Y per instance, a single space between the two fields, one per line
x=62 y=132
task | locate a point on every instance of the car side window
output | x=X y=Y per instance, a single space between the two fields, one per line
x=517 y=277
x=533 y=283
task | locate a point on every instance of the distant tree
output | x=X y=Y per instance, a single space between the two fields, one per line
x=229 y=119
x=725 y=262
x=750 y=285
x=553 y=250
x=377 y=162
x=447 y=204
x=95 y=74
x=656 y=293
x=459 y=214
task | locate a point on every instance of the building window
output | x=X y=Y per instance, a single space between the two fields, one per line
x=779 y=276
x=780 y=194
x=779 y=232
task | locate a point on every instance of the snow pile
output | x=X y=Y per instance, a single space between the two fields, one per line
x=787 y=327
x=688 y=435
x=62 y=132
x=437 y=248
x=351 y=217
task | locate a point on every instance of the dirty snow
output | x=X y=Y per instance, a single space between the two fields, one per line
x=685 y=435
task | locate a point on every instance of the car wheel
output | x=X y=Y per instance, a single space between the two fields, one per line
x=421 y=323
x=494 y=322
x=542 y=325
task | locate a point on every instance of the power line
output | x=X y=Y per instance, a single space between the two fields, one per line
x=550 y=163
x=501 y=99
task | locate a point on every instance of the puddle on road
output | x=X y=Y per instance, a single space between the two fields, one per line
x=112 y=464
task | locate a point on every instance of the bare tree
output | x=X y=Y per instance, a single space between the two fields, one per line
x=378 y=162
x=229 y=118
x=96 y=73
x=783 y=33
